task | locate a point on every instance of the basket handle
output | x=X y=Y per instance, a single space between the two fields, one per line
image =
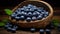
x=33 y=0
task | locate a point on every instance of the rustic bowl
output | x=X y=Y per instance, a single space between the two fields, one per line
x=38 y=23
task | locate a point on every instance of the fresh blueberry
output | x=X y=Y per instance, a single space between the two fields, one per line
x=43 y=12
x=34 y=18
x=48 y=31
x=13 y=30
x=25 y=13
x=22 y=12
x=6 y=26
x=9 y=28
x=30 y=5
x=45 y=16
x=28 y=19
x=17 y=18
x=31 y=9
x=22 y=17
x=39 y=17
x=12 y=15
x=26 y=10
x=41 y=8
x=37 y=13
x=29 y=14
x=32 y=30
x=15 y=26
x=22 y=9
x=41 y=31
x=18 y=10
x=46 y=13
x=35 y=9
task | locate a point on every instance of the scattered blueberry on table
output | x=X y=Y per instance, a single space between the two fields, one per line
x=32 y=30
x=41 y=31
x=10 y=27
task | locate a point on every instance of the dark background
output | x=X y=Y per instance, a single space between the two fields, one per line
x=54 y=3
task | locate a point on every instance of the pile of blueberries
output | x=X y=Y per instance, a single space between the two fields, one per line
x=11 y=27
x=30 y=13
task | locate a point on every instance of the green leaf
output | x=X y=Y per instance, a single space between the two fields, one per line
x=2 y=24
x=55 y=22
x=8 y=11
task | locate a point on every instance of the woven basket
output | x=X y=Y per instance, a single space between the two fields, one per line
x=38 y=23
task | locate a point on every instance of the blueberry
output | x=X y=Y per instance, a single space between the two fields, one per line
x=34 y=18
x=13 y=30
x=37 y=12
x=15 y=27
x=29 y=14
x=26 y=10
x=22 y=17
x=41 y=31
x=6 y=26
x=48 y=31
x=22 y=12
x=18 y=15
x=28 y=19
x=29 y=5
x=17 y=18
x=34 y=14
x=39 y=17
x=25 y=13
x=46 y=13
x=35 y=9
x=9 y=28
x=18 y=10
x=31 y=9
x=43 y=12
x=45 y=16
x=12 y=15
x=22 y=9
x=32 y=30
x=41 y=8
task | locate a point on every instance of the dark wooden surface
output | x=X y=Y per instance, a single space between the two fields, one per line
x=54 y=31
x=3 y=15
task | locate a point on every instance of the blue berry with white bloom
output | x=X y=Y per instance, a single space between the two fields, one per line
x=28 y=19
x=34 y=18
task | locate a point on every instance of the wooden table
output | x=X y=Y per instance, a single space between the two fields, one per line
x=54 y=31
